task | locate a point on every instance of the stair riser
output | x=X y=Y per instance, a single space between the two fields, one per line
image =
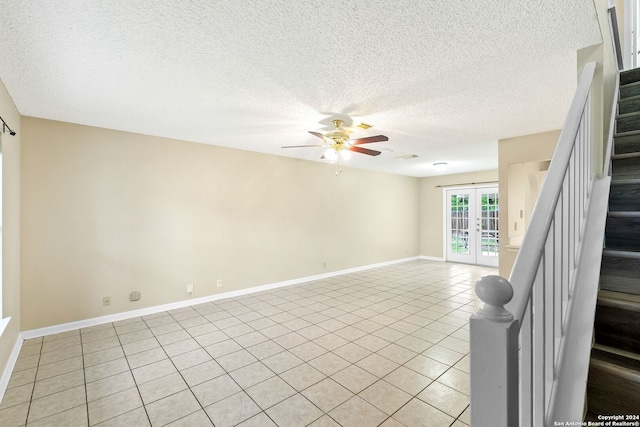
x=608 y=392
x=620 y=275
x=629 y=106
x=624 y=198
x=617 y=327
x=627 y=144
x=629 y=91
x=626 y=168
x=628 y=124
x=615 y=356
x=629 y=76
x=622 y=233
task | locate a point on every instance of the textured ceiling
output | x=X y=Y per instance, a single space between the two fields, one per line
x=442 y=79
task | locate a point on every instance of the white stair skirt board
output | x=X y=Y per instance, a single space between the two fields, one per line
x=64 y=327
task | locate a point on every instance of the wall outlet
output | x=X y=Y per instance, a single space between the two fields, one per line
x=134 y=296
x=190 y=288
x=219 y=283
x=106 y=301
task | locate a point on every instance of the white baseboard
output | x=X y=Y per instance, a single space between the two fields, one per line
x=50 y=330
x=431 y=258
x=8 y=369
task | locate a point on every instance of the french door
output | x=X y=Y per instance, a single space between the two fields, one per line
x=472 y=225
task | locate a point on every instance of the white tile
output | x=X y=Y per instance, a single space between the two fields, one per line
x=357 y=412
x=270 y=392
x=232 y=410
x=172 y=408
x=296 y=411
x=327 y=394
x=251 y=374
x=405 y=323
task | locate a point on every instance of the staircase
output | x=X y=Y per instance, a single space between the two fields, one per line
x=614 y=373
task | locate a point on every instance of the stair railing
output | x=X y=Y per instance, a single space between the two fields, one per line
x=612 y=126
x=518 y=339
x=615 y=40
x=615 y=37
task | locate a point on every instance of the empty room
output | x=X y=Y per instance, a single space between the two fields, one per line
x=270 y=213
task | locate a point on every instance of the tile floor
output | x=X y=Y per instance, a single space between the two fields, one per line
x=383 y=347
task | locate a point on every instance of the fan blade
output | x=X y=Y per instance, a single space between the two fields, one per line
x=364 y=151
x=319 y=135
x=369 y=139
x=298 y=146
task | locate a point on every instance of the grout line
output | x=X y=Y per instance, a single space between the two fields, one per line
x=144 y=406
x=84 y=379
x=180 y=373
x=35 y=379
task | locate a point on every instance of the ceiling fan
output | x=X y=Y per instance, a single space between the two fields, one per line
x=340 y=144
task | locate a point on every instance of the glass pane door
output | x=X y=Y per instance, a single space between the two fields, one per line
x=472 y=225
x=461 y=226
x=488 y=240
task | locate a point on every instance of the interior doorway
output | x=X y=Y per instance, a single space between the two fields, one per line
x=471 y=217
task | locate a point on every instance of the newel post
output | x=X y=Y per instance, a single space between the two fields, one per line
x=494 y=357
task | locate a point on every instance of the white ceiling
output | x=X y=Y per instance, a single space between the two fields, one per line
x=442 y=79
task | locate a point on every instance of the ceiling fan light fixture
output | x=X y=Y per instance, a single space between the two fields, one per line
x=331 y=155
x=440 y=166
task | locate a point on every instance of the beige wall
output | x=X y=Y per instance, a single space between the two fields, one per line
x=432 y=209
x=528 y=148
x=10 y=226
x=105 y=213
